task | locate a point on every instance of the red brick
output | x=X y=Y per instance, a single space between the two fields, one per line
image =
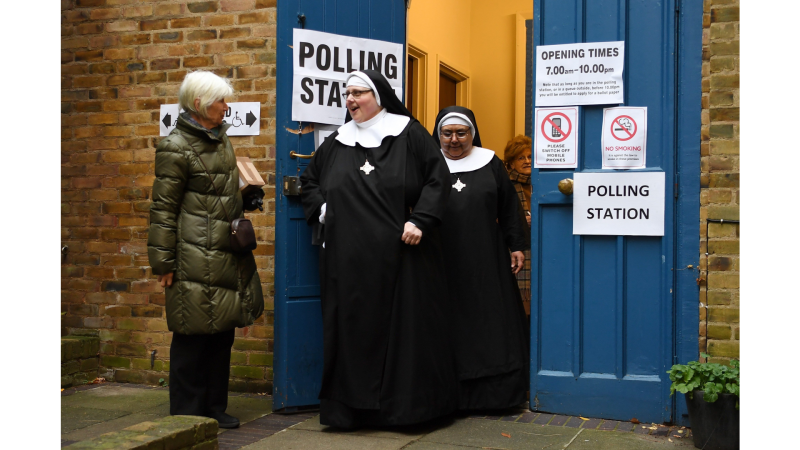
x=115 y=260
x=218 y=20
x=183 y=50
x=252 y=72
x=86 y=183
x=89 y=28
x=133 y=221
x=104 y=14
x=169 y=37
x=169 y=10
x=198 y=61
x=149 y=25
x=121 y=25
x=266 y=3
x=102 y=68
x=104 y=93
x=185 y=22
x=119 y=53
x=203 y=7
x=117 y=80
x=217 y=48
x=103 y=194
x=202 y=35
x=98 y=119
x=139 y=91
x=117 y=105
x=255 y=17
x=139 y=11
x=251 y=43
x=87 y=82
x=104 y=41
x=117 y=207
x=236 y=5
x=132 y=169
x=117 y=131
x=151 y=77
x=234 y=33
x=135 y=39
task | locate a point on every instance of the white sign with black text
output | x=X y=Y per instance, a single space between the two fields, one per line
x=555 y=143
x=322 y=63
x=580 y=74
x=244 y=117
x=618 y=204
x=624 y=139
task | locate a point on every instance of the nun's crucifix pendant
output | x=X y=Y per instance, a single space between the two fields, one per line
x=367 y=167
x=459 y=185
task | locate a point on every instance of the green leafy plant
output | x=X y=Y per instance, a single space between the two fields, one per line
x=711 y=378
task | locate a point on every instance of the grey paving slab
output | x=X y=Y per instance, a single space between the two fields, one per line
x=480 y=433
x=117 y=398
x=401 y=433
x=75 y=418
x=293 y=439
x=605 y=440
x=107 y=426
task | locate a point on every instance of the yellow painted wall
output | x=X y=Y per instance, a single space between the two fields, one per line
x=479 y=38
x=440 y=28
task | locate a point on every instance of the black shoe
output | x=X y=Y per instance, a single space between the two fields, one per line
x=226 y=420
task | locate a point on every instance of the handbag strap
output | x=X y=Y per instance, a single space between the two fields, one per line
x=205 y=169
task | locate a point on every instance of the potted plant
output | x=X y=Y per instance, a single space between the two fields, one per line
x=712 y=398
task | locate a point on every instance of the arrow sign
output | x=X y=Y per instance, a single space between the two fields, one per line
x=250 y=110
x=167 y=120
x=250 y=119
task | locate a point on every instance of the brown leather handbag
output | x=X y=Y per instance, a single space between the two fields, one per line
x=243 y=236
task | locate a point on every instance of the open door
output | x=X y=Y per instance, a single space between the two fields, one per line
x=298 y=314
x=608 y=314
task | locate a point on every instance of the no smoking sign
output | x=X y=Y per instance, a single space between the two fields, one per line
x=556 y=141
x=624 y=138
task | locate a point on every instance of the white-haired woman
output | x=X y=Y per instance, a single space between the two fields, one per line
x=210 y=289
x=379 y=186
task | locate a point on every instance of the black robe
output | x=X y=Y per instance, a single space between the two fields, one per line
x=387 y=353
x=481 y=226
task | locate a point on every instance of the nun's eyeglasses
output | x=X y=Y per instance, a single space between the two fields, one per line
x=356 y=94
x=461 y=135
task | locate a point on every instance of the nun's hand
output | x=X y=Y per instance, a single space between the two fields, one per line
x=517 y=261
x=411 y=234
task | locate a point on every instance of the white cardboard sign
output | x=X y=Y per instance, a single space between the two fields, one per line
x=624 y=140
x=556 y=140
x=321 y=64
x=580 y=74
x=244 y=117
x=618 y=204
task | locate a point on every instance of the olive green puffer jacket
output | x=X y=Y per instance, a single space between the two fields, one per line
x=213 y=289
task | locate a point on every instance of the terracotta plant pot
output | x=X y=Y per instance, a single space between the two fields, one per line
x=715 y=426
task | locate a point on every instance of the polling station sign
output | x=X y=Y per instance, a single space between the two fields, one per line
x=555 y=143
x=618 y=204
x=244 y=117
x=580 y=74
x=322 y=63
x=624 y=140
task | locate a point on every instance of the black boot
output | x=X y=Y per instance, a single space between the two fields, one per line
x=225 y=420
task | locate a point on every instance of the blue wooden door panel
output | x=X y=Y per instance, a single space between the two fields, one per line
x=298 y=321
x=603 y=307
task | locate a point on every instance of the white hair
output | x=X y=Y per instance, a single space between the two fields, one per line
x=206 y=86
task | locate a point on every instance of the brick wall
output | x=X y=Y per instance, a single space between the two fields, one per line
x=719 y=197
x=121 y=59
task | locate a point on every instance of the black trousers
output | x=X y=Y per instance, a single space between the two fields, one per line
x=199 y=367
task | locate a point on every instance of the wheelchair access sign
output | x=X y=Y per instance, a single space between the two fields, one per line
x=244 y=117
x=556 y=141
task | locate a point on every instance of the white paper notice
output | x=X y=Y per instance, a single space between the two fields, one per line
x=618 y=204
x=244 y=118
x=556 y=141
x=624 y=138
x=580 y=74
x=322 y=63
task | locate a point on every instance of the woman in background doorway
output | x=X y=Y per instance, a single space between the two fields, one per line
x=517 y=157
x=481 y=225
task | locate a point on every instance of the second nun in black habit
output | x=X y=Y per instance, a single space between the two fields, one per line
x=483 y=223
x=379 y=187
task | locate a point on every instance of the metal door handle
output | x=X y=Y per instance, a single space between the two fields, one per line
x=293 y=154
x=565 y=186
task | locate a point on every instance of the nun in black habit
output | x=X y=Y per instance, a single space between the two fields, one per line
x=379 y=187
x=483 y=223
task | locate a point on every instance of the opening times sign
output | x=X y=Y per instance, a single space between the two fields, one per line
x=322 y=63
x=580 y=74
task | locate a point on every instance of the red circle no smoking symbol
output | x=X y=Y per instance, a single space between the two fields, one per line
x=623 y=128
x=557 y=133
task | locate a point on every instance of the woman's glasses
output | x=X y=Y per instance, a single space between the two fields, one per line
x=461 y=135
x=356 y=94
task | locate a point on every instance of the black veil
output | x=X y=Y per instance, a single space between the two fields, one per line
x=476 y=140
x=389 y=99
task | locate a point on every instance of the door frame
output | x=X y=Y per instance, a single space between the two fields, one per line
x=687 y=209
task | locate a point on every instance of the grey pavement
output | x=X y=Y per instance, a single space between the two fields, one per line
x=90 y=411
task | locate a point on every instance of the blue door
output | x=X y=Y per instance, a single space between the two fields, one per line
x=298 y=314
x=610 y=314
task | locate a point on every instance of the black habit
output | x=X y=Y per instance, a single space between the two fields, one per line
x=388 y=359
x=482 y=224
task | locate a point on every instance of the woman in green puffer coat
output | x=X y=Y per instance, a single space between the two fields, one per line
x=210 y=290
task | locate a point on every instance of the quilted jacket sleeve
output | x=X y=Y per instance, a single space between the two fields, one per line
x=172 y=173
